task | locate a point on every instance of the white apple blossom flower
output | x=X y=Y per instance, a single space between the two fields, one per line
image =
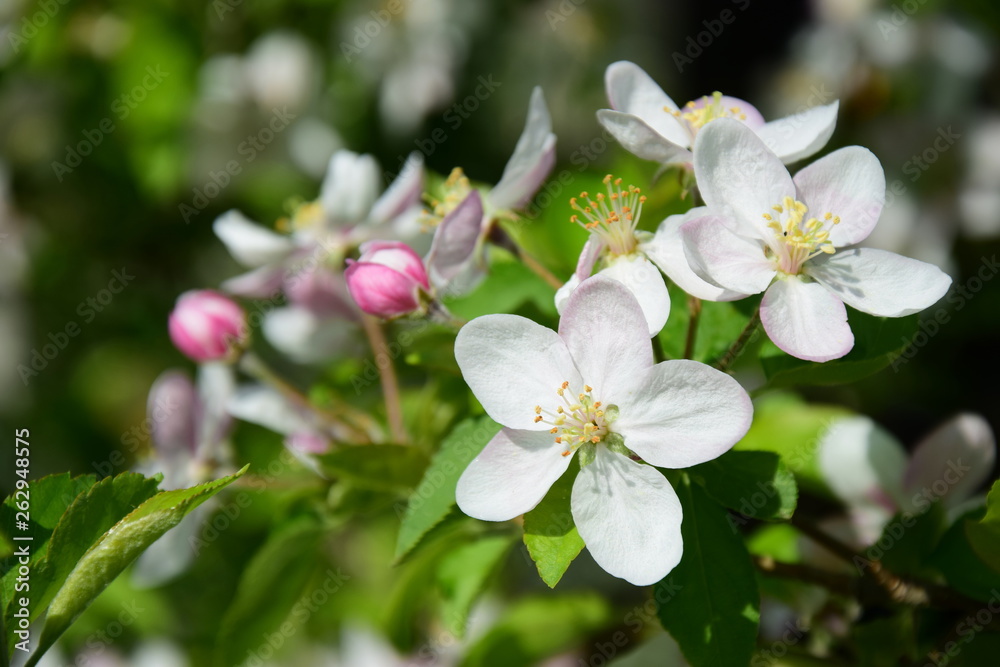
x=650 y=125
x=593 y=387
x=869 y=470
x=632 y=256
x=766 y=232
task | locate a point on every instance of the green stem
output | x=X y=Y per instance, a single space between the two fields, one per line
x=694 y=307
x=737 y=347
x=389 y=381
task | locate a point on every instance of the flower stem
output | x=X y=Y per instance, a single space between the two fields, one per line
x=737 y=347
x=500 y=237
x=694 y=307
x=387 y=375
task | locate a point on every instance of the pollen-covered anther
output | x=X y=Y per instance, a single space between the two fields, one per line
x=575 y=424
x=612 y=216
x=796 y=238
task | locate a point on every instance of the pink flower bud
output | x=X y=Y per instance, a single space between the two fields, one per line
x=387 y=279
x=206 y=325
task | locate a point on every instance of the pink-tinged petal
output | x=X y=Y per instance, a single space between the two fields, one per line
x=455 y=240
x=591 y=252
x=850 y=184
x=629 y=517
x=171 y=409
x=879 y=282
x=645 y=281
x=396 y=255
x=404 y=192
x=513 y=364
x=666 y=250
x=951 y=463
x=250 y=244
x=308 y=442
x=533 y=159
x=639 y=138
x=261 y=283
x=735 y=263
x=319 y=289
x=564 y=292
x=806 y=320
x=863 y=464
x=683 y=413
x=632 y=91
x=349 y=189
x=738 y=176
x=306 y=337
x=608 y=337
x=511 y=475
x=206 y=325
x=800 y=135
x=382 y=291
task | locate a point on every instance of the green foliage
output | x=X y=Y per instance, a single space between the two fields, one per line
x=984 y=535
x=878 y=341
x=715 y=610
x=271 y=584
x=550 y=533
x=535 y=628
x=462 y=575
x=719 y=325
x=957 y=561
x=90 y=562
x=755 y=484
x=785 y=424
x=379 y=467
x=434 y=496
x=509 y=286
x=885 y=642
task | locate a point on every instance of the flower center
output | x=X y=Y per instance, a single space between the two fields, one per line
x=456 y=188
x=303 y=215
x=797 y=239
x=612 y=216
x=577 y=423
x=697 y=113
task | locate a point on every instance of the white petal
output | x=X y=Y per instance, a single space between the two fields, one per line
x=806 y=320
x=738 y=176
x=666 y=250
x=637 y=137
x=455 y=240
x=216 y=383
x=863 y=464
x=305 y=336
x=607 y=335
x=260 y=283
x=533 y=158
x=632 y=91
x=879 y=282
x=564 y=292
x=513 y=364
x=683 y=413
x=800 y=135
x=511 y=475
x=850 y=184
x=952 y=461
x=250 y=244
x=645 y=281
x=404 y=192
x=349 y=189
x=735 y=263
x=629 y=517
x=262 y=405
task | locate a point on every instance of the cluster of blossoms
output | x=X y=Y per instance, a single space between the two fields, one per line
x=591 y=389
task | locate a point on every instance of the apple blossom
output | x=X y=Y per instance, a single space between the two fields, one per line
x=388 y=279
x=763 y=231
x=593 y=388
x=207 y=326
x=869 y=470
x=650 y=125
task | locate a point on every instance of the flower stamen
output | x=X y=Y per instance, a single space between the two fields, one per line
x=796 y=238
x=612 y=216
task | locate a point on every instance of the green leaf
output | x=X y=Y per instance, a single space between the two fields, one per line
x=379 y=467
x=269 y=587
x=536 y=628
x=719 y=325
x=713 y=609
x=886 y=642
x=463 y=574
x=115 y=549
x=984 y=535
x=878 y=341
x=785 y=424
x=910 y=540
x=550 y=533
x=755 y=484
x=779 y=541
x=961 y=566
x=434 y=497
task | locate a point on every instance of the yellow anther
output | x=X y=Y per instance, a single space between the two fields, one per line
x=588 y=388
x=538 y=409
x=538 y=419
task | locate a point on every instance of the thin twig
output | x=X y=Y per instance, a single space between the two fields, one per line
x=387 y=375
x=737 y=347
x=694 y=307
